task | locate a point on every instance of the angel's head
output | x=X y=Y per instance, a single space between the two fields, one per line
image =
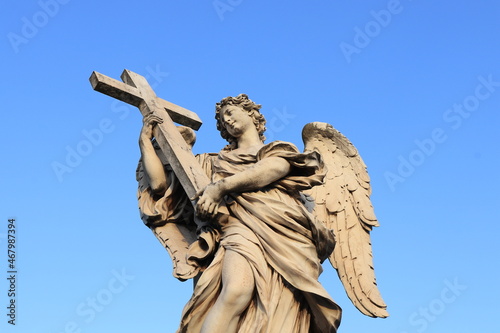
x=244 y=103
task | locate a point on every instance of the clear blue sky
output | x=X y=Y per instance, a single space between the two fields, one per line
x=415 y=85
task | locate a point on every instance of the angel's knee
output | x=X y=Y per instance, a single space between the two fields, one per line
x=236 y=297
x=238 y=282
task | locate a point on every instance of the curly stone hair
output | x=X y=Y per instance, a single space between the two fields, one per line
x=246 y=104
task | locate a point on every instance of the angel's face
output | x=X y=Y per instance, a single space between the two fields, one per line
x=236 y=120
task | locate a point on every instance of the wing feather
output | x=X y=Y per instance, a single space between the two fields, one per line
x=343 y=205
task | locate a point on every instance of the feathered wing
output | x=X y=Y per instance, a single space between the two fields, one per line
x=343 y=204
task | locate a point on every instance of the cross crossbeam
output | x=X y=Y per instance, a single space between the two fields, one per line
x=132 y=95
x=135 y=90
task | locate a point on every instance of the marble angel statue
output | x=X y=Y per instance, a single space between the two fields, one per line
x=272 y=215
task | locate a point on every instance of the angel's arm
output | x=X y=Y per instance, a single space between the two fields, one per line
x=263 y=173
x=151 y=162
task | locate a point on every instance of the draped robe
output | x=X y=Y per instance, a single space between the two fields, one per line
x=282 y=242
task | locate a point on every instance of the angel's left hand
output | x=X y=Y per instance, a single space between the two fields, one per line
x=208 y=201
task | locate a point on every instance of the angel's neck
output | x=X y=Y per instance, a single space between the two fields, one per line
x=248 y=140
x=252 y=150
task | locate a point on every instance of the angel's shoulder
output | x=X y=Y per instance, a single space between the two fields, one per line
x=276 y=147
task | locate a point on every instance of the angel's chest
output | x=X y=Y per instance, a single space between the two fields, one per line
x=223 y=168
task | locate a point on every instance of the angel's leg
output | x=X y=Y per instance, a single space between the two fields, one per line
x=237 y=289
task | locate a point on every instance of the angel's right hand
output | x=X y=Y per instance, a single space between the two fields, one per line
x=149 y=122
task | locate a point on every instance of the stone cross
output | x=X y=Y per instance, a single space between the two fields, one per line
x=136 y=91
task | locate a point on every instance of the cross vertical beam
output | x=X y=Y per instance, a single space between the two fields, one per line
x=135 y=90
